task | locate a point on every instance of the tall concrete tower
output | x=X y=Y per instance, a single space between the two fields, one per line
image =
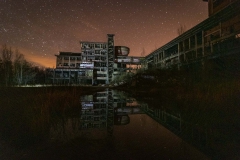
x=110 y=57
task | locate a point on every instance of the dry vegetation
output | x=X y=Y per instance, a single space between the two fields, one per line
x=26 y=113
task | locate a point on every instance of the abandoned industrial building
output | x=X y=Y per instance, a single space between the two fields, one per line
x=217 y=36
x=102 y=62
x=97 y=63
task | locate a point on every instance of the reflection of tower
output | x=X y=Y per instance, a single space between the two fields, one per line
x=110 y=113
x=105 y=109
x=98 y=111
x=94 y=111
x=110 y=58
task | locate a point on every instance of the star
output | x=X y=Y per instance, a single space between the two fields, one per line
x=47 y=27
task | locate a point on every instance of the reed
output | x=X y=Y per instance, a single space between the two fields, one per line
x=27 y=113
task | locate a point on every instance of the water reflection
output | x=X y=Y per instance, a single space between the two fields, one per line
x=120 y=129
x=213 y=141
x=99 y=113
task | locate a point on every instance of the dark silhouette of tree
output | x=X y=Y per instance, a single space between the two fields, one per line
x=18 y=63
x=24 y=71
x=181 y=29
x=7 y=64
x=41 y=75
x=18 y=71
x=28 y=73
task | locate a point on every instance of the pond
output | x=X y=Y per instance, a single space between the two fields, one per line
x=111 y=124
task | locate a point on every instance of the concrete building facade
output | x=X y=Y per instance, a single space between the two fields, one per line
x=217 y=36
x=97 y=63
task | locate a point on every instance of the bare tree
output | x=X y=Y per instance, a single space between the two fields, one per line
x=18 y=63
x=28 y=73
x=18 y=71
x=7 y=64
x=181 y=29
x=23 y=71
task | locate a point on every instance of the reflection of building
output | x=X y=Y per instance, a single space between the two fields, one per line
x=97 y=117
x=217 y=36
x=103 y=109
x=211 y=138
x=97 y=63
x=95 y=110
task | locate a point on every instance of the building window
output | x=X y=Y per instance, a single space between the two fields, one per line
x=97 y=52
x=97 y=45
x=91 y=46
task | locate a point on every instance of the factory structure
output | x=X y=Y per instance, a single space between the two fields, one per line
x=102 y=62
x=216 y=37
x=97 y=63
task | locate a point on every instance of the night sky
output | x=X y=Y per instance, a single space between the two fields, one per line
x=42 y=28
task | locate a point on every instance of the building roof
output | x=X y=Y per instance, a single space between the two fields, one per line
x=93 y=42
x=68 y=54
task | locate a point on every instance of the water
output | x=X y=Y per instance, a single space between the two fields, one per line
x=119 y=128
x=111 y=124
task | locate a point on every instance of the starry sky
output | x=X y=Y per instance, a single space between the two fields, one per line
x=42 y=28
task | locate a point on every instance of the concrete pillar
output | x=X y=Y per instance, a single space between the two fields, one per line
x=163 y=58
x=110 y=55
x=178 y=56
x=184 y=51
x=203 y=43
x=156 y=60
x=189 y=41
x=68 y=61
x=196 y=44
x=75 y=63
